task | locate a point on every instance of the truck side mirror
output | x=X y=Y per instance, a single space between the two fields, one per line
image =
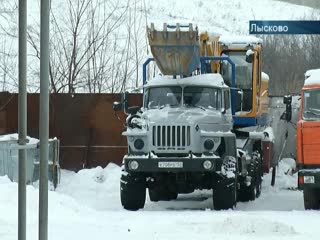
x=287 y=115
x=124 y=100
x=117 y=106
x=249 y=56
x=123 y=104
x=287 y=99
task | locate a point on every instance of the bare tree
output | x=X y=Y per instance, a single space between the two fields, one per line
x=8 y=55
x=80 y=44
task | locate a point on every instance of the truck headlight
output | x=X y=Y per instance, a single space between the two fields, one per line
x=133 y=165
x=208 y=144
x=207 y=164
x=139 y=144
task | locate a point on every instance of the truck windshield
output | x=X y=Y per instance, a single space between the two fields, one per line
x=159 y=97
x=199 y=97
x=202 y=97
x=311 y=105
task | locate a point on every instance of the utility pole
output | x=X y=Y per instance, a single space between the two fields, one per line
x=22 y=119
x=44 y=119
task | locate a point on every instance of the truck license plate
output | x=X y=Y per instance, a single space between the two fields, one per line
x=170 y=164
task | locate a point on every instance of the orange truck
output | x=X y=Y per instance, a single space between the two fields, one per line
x=308 y=140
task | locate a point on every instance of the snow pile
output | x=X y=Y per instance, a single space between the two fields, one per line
x=312 y=77
x=96 y=188
x=15 y=137
x=287 y=178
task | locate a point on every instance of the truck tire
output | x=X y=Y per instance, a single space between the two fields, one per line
x=161 y=194
x=247 y=193
x=259 y=177
x=250 y=193
x=311 y=198
x=224 y=194
x=258 y=185
x=132 y=192
x=253 y=191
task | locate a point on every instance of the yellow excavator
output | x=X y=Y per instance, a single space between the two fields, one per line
x=251 y=84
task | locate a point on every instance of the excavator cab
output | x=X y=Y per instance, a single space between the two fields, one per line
x=245 y=53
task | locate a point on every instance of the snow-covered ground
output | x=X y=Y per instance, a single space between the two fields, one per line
x=86 y=205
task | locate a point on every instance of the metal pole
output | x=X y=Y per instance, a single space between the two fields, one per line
x=22 y=119
x=44 y=119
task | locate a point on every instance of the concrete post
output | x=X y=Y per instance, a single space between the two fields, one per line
x=22 y=118
x=44 y=119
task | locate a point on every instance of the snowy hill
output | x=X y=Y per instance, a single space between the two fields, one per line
x=122 y=45
x=225 y=17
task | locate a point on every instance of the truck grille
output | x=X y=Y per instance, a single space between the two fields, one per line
x=171 y=137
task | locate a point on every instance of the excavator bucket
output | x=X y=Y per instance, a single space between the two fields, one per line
x=176 y=51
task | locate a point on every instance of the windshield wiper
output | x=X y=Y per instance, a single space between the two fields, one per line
x=201 y=107
x=167 y=105
x=312 y=112
x=197 y=106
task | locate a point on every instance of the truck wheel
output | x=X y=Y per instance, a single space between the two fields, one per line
x=259 y=177
x=311 y=198
x=250 y=193
x=225 y=194
x=247 y=193
x=258 y=189
x=161 y=194
x=132 y=192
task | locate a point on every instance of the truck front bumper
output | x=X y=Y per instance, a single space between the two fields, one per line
x=308 y=178
x=172 y=164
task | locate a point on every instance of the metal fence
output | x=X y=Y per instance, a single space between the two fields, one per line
x=86 y=125
x=9 y=161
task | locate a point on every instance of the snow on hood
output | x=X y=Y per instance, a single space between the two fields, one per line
x=185 y=115
x=312 y=77
x=212 y=79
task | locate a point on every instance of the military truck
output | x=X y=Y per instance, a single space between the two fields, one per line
x=184 y=137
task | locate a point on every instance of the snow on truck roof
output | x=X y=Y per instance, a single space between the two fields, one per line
x=211 y=79
x=230 y=40
x=312 y=77
x=264 y=77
